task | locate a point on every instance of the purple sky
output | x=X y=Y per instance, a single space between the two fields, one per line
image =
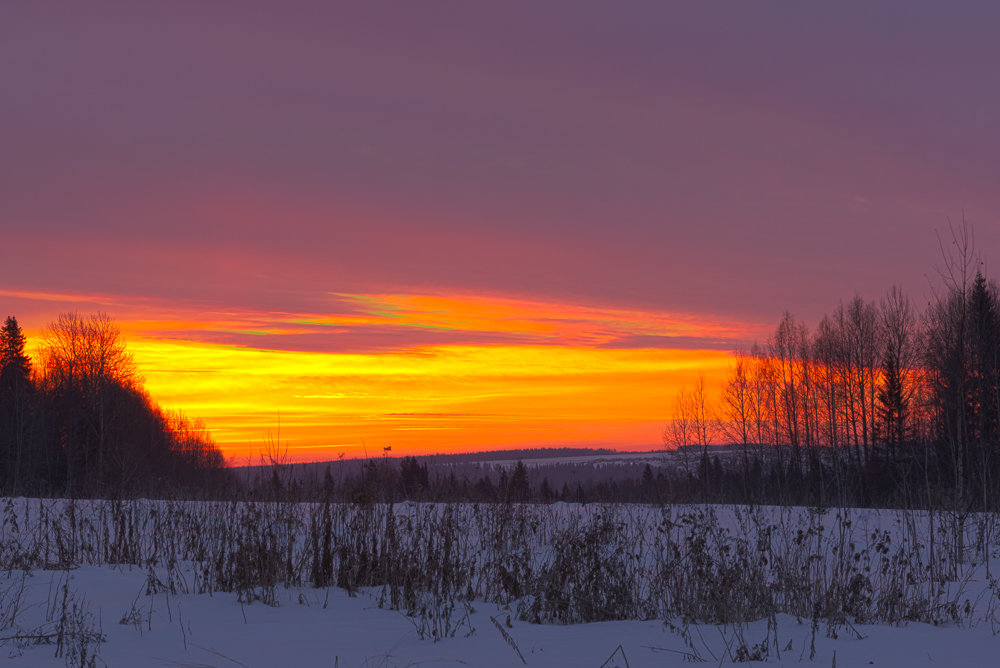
x=732 y=159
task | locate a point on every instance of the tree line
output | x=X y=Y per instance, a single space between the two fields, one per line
x=78 y=422
x=878 y=404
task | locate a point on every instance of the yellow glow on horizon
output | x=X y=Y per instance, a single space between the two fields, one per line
x=522 y=374
x=436 y=399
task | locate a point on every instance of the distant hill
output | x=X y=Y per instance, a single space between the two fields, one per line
x=524 y=454
x=574 y=463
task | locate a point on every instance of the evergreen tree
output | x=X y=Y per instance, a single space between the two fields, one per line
x=413 y=478
x=984 y=313
x=14 y=363
x=648 y=485
x=983 y=387
x=893 y=404
x=545 y=491
x=15 y=408
x=520 y=489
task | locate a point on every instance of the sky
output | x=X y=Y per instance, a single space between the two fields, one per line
x=440 y=226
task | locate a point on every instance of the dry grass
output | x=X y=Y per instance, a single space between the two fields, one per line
x=545 y=564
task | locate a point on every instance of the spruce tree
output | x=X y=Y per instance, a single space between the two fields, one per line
x=14 y=364
x=893 y=404
x=15 y=406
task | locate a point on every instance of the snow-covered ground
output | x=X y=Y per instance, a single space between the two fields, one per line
x=328 y=628
x=150 y=615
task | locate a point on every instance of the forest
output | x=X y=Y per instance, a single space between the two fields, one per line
x=879 y=405
x=78 y=422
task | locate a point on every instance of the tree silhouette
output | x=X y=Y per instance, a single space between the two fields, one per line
x=520 y=489
x=16 y=392
x=106 y=436
x=413 y=478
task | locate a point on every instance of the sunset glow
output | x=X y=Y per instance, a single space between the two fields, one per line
x=433 y=399
x=424 y=373
x=477 y=225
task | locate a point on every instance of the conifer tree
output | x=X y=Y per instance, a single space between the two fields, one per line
x=15 y=406
x=14 y=363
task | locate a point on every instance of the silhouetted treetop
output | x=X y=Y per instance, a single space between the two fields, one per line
x=87 y=351
x=14 y=363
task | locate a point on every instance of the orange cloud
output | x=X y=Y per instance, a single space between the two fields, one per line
x=567 y=323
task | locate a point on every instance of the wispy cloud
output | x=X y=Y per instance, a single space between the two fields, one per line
x=365 y=323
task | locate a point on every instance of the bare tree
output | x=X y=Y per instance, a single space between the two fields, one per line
x=738 y=414
x=829 y=359
x=763 y=397
x=950 y=351
x=692 y=423
x=859 y=327
x=85 y=369
x=789 y=351
x=703 y=421
x=947 y=353
x=89 y=352
x=678 y=433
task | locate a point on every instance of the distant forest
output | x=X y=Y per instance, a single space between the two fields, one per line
x=79 y=423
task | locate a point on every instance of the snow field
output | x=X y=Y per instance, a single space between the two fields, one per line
x=152 y=583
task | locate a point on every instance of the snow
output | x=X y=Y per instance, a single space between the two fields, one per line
x=203 y=630
x=328 y=627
